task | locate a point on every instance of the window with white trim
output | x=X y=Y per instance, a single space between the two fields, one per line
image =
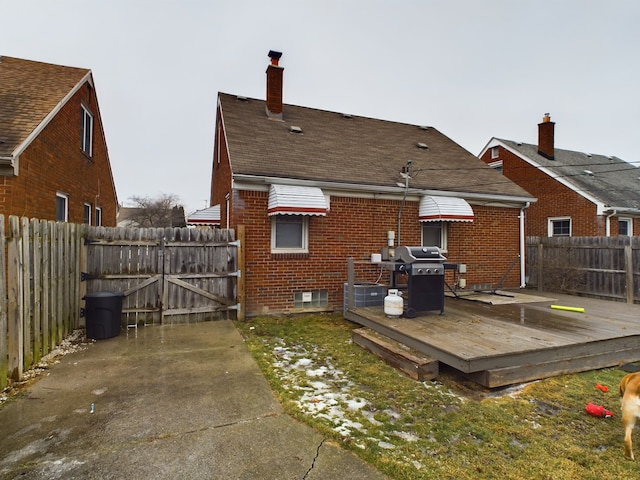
x=625 y=226
x=87 y=131
x=434 y=234
x=559 y=227
x=289 y=233
x=495 y=152
x=98 y=216
x=62 y=207
x=87 y=213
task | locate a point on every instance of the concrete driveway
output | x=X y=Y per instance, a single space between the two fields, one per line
x=182 y=401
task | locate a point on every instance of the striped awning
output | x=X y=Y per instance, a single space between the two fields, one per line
x=207 y=216
x=444 y=209
x=294 y=200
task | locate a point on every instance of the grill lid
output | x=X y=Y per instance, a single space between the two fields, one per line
x=414 y=254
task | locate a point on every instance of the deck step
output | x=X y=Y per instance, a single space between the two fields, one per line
x=500 y=377
x=412 y=363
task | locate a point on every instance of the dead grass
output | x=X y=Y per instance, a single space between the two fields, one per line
x=442 y=429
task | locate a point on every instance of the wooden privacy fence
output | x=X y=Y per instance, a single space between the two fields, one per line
x=602 y=267
x=165 y=275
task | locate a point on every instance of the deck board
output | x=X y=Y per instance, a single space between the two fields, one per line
x=507 y=342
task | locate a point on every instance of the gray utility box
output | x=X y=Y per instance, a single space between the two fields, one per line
x=365 y=295
x=103 y=311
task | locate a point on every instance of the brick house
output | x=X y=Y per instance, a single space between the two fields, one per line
x=579 y=194
x=313 y=188
x=54 y=163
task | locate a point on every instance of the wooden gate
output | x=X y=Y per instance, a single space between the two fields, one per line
x=172 y=275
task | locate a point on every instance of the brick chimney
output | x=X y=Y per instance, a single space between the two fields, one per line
x=274 y=86
x=545 y=137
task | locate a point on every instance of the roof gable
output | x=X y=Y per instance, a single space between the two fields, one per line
x=345 y=149
x=30 y=94
x=603 y=179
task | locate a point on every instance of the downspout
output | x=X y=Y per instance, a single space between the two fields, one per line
x=523 y=280
x=607 y=224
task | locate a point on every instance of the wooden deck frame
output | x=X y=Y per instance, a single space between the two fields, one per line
x=499 y=345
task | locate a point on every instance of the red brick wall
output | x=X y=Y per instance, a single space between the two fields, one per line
x=554 y=199
x=356 y=228
x=54 y=162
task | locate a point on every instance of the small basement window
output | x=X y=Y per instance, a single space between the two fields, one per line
x=311 y=299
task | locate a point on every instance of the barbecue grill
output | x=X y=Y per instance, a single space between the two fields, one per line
x=424 y=267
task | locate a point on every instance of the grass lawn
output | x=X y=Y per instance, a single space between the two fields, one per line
x=447 y=428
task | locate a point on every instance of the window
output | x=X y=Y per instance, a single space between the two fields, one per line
x=495 y=152
x=98 y=217
x=625 y=227
x=434 y=234
x=62 y=207
x=87 y=131
x=289 y=234
x=559 y=227
x=87 y=214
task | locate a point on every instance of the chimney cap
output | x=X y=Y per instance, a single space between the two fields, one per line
x=275 y=55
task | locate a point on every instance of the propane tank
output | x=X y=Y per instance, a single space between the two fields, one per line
x=393 y=304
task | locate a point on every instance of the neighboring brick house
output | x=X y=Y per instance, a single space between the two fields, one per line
x=313 y=188
x=579 y=194
x=54 y=163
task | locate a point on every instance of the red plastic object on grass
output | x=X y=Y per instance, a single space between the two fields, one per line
x=598 y=411
x=604 y=388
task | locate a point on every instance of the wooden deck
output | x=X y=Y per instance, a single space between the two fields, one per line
x=508 y=343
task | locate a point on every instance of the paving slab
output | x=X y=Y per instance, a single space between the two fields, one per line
x=172 y=401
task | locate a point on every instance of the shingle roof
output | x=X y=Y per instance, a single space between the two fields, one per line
x=29 y=91
x=609 y=179
x=351 y=150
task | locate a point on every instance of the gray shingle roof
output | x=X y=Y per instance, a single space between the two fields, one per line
x=350 y=149
x=29 y=91
x=609 y=179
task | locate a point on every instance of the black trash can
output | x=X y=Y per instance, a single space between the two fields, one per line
x=102 y=314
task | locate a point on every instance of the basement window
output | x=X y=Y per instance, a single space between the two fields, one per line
x=311 y=299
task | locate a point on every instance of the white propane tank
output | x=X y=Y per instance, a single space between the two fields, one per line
x=393 y=304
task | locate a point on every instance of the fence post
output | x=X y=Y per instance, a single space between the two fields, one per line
x=539 y=274
x=4 y=359
x=628 y=269
x=14 y=297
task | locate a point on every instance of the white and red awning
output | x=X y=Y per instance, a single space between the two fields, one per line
x=444 y=209
x=295 y=200
x=207 y=216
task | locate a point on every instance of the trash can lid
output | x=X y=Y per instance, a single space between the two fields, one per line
x=104 y=294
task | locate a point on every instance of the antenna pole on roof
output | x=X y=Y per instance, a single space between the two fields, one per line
x=406 y=173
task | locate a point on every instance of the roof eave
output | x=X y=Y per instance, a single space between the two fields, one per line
x=247 y=182
x=600 y=206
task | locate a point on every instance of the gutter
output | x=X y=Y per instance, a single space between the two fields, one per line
x=607 y=223
x=523 y=278
x=265 y=181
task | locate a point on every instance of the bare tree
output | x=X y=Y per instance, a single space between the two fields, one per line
x=162 y=211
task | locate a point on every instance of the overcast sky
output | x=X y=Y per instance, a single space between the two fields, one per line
x=472 y=69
